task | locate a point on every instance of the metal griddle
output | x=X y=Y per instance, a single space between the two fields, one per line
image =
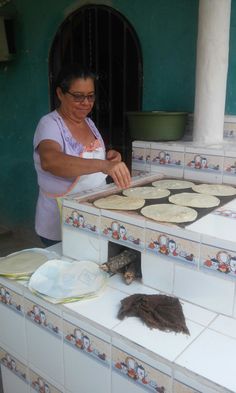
x=201 y=211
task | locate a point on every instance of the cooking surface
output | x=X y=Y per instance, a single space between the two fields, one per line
x=201 y=211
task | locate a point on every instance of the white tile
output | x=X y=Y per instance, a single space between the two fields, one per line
x=224 y=325
x=102 y=309
x=117 y=282
x=157 y=272
x=166 y=344
x=203 y=289
x=208 y=354
x=12 y=330
x=125 y=384
x=203 y=176
x=45 y=351
x=79 y=245
x=15 y=286
x=143 y=355
x=89 y=327
x=168 y=171
x=216 y=226
x=56 y=248
x=12 y=382
x=191 y=383
x=83 y=374
x=197 y=314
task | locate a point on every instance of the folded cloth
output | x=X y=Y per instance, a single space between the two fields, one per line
x=156 y=311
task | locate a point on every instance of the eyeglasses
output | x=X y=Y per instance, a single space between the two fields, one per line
x=82 y=97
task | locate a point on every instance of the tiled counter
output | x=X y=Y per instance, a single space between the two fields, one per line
x=83 y=347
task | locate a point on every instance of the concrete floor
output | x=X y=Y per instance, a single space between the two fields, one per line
x=17 y=239
x=14 y=240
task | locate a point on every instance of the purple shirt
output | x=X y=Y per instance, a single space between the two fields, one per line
x=52 y=126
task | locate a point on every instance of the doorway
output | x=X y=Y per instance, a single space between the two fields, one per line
x=101 y=38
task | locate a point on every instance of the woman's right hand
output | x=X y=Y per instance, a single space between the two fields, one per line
x=119 y=173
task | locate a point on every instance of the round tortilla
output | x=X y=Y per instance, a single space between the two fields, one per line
x=118 y=202
x=193 y=199
x=146 y=192
x=214 y=189
x=173 y=184
x=169 y=213
x=22 y=263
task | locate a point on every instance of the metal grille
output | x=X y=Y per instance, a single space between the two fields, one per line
x=101 y=38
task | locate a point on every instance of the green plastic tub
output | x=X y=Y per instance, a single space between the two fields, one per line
x=157 y=125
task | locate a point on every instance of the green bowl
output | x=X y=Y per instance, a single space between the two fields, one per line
x=157 y=125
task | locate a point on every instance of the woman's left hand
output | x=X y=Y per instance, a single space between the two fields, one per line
x=113 y=155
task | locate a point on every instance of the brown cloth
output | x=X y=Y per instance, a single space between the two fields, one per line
x=157 y=311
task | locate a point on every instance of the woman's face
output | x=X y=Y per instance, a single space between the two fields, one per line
x=70 y=105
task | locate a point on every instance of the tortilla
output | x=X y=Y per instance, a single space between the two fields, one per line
x=146 y=192
x=118 y=202
x=214 y=189
x=193 y=199
x=169 y=213
x=22 y=263
x=173 y=184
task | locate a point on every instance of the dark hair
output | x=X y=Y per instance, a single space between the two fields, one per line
x=71 y=72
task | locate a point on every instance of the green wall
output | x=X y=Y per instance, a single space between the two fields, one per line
x=167 y=30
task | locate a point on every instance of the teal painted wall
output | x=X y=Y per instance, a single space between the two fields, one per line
x=167 y=30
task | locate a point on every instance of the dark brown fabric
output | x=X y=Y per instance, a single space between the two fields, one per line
x=156 y=311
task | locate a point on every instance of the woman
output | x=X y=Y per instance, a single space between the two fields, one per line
x=69 y=151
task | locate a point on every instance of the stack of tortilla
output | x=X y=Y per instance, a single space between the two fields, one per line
x=61 y=281
x=22 y=264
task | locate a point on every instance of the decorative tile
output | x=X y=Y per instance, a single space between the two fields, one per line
x=142 y=374
x=229 y=170
x=187 y=382
x=219 y=260
x=181 y=388
x=230 y=130
x=226 y=211
x=81 y=220
x=208 y=291
x=203 y=167
x=166 y=158
x=123 y=233
x=140 y=157
x=45 y=342
x=172 y=247
x=81 y=340
x=87 y=354
x=40 y=316
x=12 y=327
x=215 y=225
x=11 y=299
x=40 y=384
x=14 y=365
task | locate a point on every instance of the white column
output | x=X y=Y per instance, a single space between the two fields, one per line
x=211 y=70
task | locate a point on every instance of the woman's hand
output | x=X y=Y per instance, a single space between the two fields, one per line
x=113 y=155
x=119 y=173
